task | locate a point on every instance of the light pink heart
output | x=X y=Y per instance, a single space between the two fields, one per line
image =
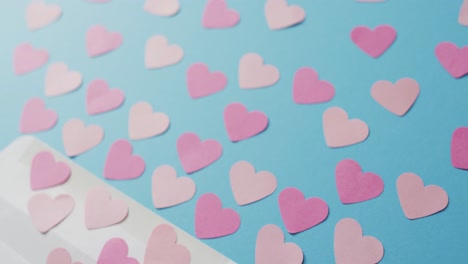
x=102 y=211
x=100 y=41
x=374 y=42
x=60 y=256
x=36 y=118
x=59 y=80
x=78 y=138
x=40 y=14
x=211 y=220
x=463 y=14
x=159 y=54
x=195 y=154
x=418 y=201
x=162 y=247
x=271 y=249
x=453 y=59
x=253 y=73
x=121 y=164
x=339 y=131
x=201 y=82
x=459 y=148
x=396 y=98
x=46 y=212
x=100 y=98
x=298 y=213
x=162 y=7
x=241 y=124
x=143 y=123
x=308 y=89
x=280 y=15
x=168 y=189
x=248 y=186
x=27 y=59
x=353 y=248
x=218 y=15
x=115 y=251
x=46 y=172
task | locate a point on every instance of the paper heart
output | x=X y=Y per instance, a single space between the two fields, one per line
x=61 y=81
x=168 y=190
x=341 y=132
x=248 y=186
x=159 y=53
x=396 y=98
x=418 y=201
x=195 y=154
x=463 y=15
x=459 y=148
x=453 y=59
x=298 y=213
x=46 y=172
x=353 y=248
x=271 y=249
x=201 y=82
x=100 y=98
x=218 y=15
x=115 y=251
x=143 y=123
x=46 y=212
x=60 y=256
x=308 y=89
x=162 y=7
x=78 y=138
x=162 y=247
x=254 y=74
x=36 y=118
x=374 y=42
x=211 y=220
x=280 y=15
x=102 y=211
x=39 y=14
x=241 y=124
x=27 y=59
x=99 y=41
x=121 y=164
x=353 y=185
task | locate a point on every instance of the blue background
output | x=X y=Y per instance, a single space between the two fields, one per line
x=293 y=146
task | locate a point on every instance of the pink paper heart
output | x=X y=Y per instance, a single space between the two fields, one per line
x=298 y=213
x=46 y=172
x=46 y=212
x=353 y=185
x=143 y=123
x=102 y=211
x=418 y=201
x=341 y=132
x=353 y=248
x=60 y=256
x=121 y=164
x=459 y=148
x=99 y=41
x=241 y=124
x=195 y=154
x=211 y=220
x=59 y=80
x=40 y=14
x=253 y=73
x=201 y=82
x=100 y=98
x=396 y=98
x=115 y=251
x=162 y=7
x=308 y=89
x=248 y=186
x=463 y=14
x=36 y=118
x=27 y=59
x=453 y=59
x=218 y=15
x=162 y=247
x=374 y=42
x=280 y=15
x=271 y=249
x=168 y=190
x=159 y=54
x=78 y=138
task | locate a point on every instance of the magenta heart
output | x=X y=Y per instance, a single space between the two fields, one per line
x=201 y=82
x=195 y=154
x=36 y=118
x=121 y=164
x=240 y=124
x=217 y=15
x=452 y=58
x=99 y=41
x=100 y=98
x=27 y=59
x=374 y=42
x=162 y=247
x=459 y=148
x=115 y=251
x=46 y=172
x=298 y=213
x=308 y=89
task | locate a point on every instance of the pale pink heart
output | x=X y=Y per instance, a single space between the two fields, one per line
x=418 y=201
x=396 y=98
x=60 y=81
x=143 y=123
x=459 y=148
x=100 y=98
x=99 y=41
x=121 y=164
x=60 y=256
x=248 y=186
x=162 y=7
x=271 y=249
x=195 y=154
x=353 y=248
x=36 y=118
x=374 y=42
x=168 y=189
x=463 y=15
x=40 y=14
x=102 y=211
x=254 y=74
x=201 y=82
x=298 y=213
x=453 y=59
x=27 y=59
x=218 y=15
x=241 y=124
x=308 y=89
x=78 y=138
x=339 y=131
x=46 y=212
x=280 y=15
x=211 y=220
x=162 y=247
x=46 y=172
x=159 y=54
x=353 y=185
x=115 y=251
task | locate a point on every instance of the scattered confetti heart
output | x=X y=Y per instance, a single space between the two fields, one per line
x=453 y=59
x=374 y=42
x=46 y=172
x=102 y=211
x=99 y=41
x=36 y=118
x=308 y=89
x=341 y=132
x=121 y=164
x=168 y=190
x=211 y=220
x=459 y=148
x=396 y=98
x=280 y=15
x=60 y=81
x=463 y=15
x=195 y=154
x=115 y=251
x=143 y=123
x=160 y=54
x=298 y=213
x=60 y=256
x=162 y=247
x=241 y=124
x=40 y=14
x=254 y=74
x=218 y=15
x=271 y=249
x=201 y=82
x=418 y=201
x=78 y=138
x=27 y=59
x=46 y=212
x=162 y=7
x=100 y=98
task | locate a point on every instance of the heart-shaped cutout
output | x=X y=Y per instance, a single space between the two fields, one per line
x=143 y=123
x=218 y=15
x=60 y=256
x=308 y=89
x=201 y=82
x=159 y=54
x=271 y=249
x=78 y=138
x=168 y=189
x=46 y=172
x=102 y=211
x=100 y=98
x=459 y=148
x=46 y=212
x=162 y=7
x=121 y=164
x=453 y=58
x=36 y=118
x=162 y=247
x=241 y=124
x=396 y=98
x=27 y=59
x=374 y=42
x=99 y=41
x=280 y=15
x=195 y=154
x=115 y=251
x=253 y=73
x=339 y=131
x=40 y=14
x=59 y=80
